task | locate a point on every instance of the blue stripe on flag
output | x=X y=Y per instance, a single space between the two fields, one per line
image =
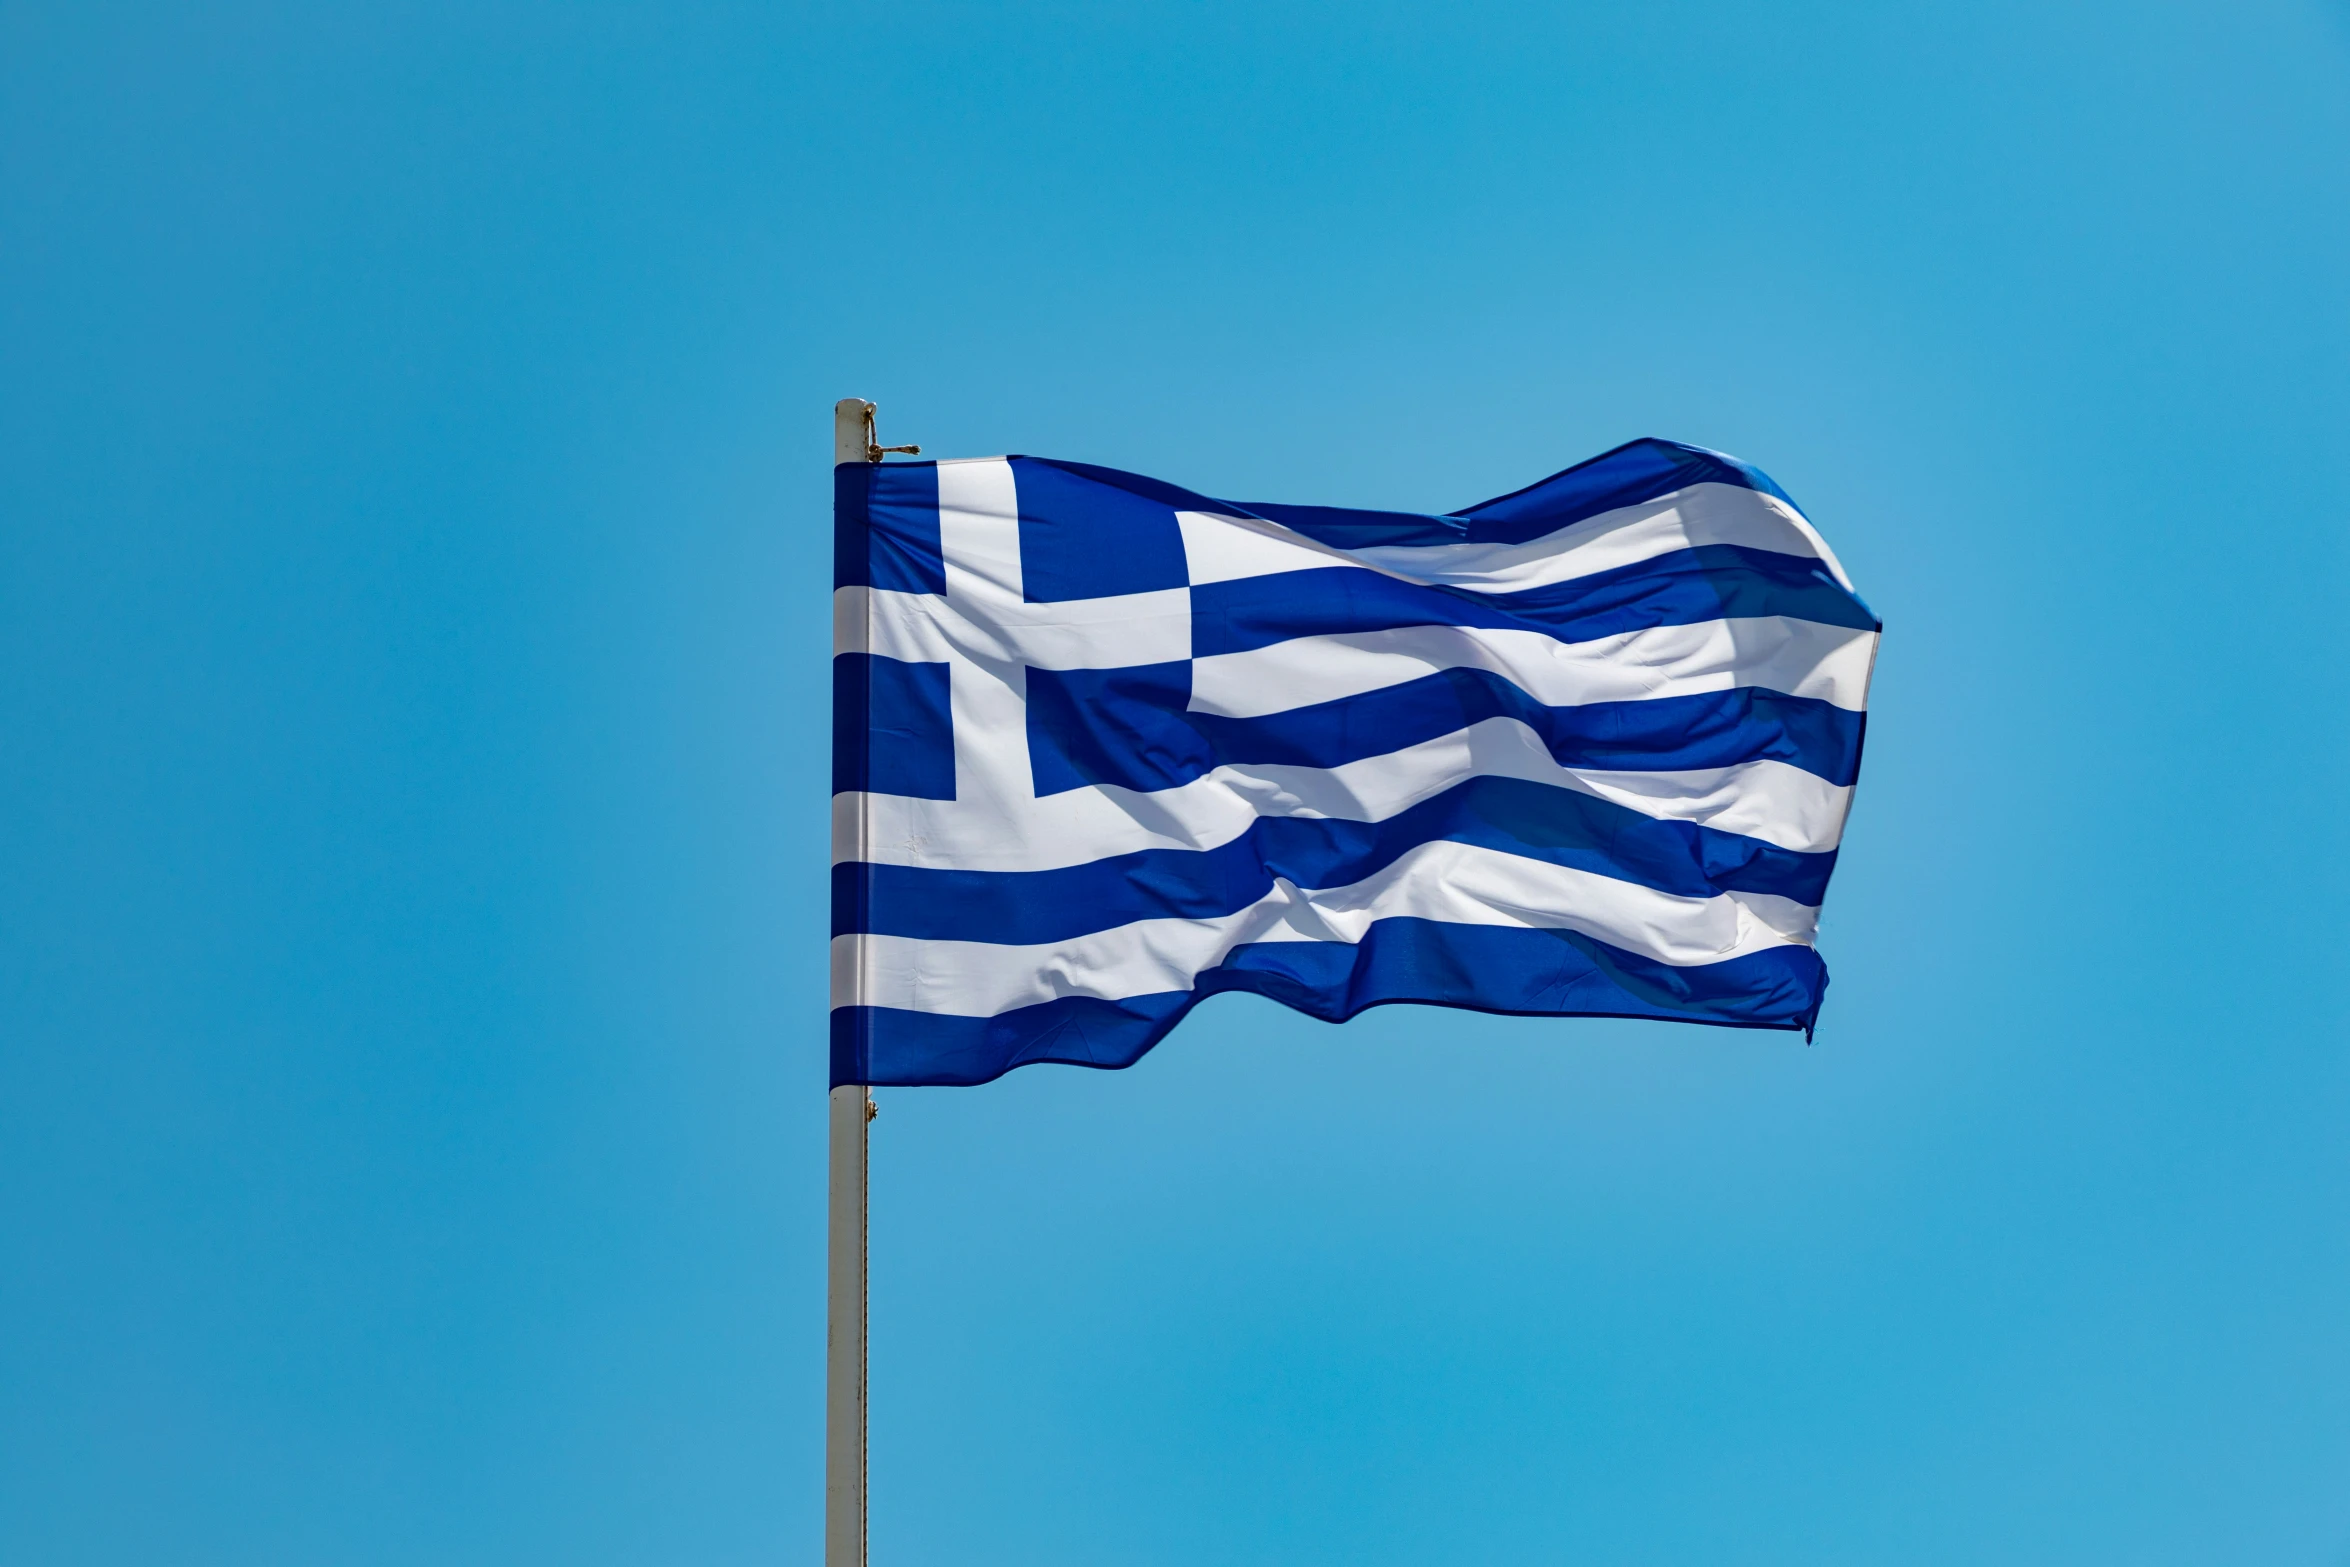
x=1684 y=588
x=1662 y=734
x=1482 y=968
x=1637 y=471
x=1634 y=472
x=1128 y=728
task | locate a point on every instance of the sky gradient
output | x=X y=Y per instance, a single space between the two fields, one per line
x=414 y=486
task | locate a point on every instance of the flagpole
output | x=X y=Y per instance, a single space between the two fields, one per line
x=851 y=1111
x=844 y=1371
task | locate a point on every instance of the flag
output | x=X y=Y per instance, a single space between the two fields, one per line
x=1103 y=748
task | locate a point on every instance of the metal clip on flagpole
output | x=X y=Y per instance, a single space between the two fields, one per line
x=853 y=436
x=851 y=1110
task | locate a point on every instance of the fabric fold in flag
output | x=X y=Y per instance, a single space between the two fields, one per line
x=1104 y=748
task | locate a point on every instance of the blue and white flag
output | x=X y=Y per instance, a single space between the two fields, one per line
x=1103 y=748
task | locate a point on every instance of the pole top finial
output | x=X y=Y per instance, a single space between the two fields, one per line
x=853 y=436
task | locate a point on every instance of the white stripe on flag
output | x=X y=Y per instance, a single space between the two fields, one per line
x=1103 y=633
x=1798 y=657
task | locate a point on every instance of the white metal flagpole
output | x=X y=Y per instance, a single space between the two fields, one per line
x=851 y=1113
x=844 y=1370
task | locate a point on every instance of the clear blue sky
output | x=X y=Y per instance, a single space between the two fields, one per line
x=414 y=431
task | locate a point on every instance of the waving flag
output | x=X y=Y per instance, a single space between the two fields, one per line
x=1103 y=748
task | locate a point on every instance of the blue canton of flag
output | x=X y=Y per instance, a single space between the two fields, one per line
x=1103 y=747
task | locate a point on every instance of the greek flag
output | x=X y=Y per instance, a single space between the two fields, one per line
x=1103 y=748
